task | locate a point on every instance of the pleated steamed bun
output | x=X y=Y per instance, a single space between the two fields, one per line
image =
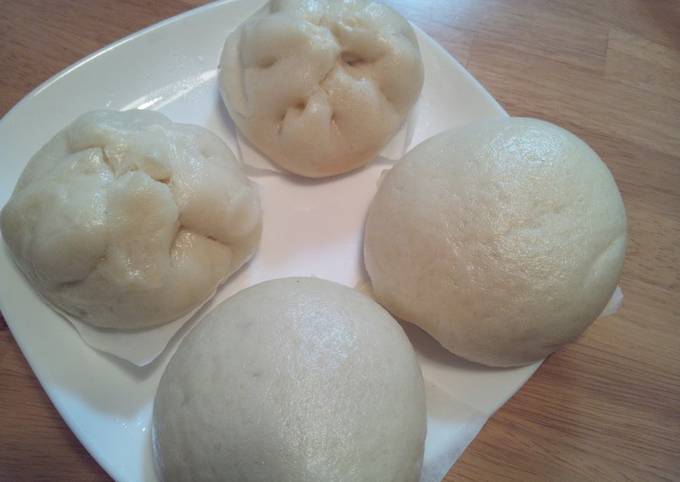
x=320 y=86
x=504 y=239
x=292 y=380
x=126 y=220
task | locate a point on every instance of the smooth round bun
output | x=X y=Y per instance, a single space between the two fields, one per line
x=292 y=380
x=504 y=239
x=126 y=220
x=320 y=86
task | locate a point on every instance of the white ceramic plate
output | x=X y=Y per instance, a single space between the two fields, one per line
x=171 y=67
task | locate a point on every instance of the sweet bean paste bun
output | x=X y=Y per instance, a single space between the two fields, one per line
x=504 y=239
x=292 y=380
x=127 y=220
x=320 y=86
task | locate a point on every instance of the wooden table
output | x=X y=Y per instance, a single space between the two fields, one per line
x=604 y=408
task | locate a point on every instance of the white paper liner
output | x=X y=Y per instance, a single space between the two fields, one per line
x=393 y=151
x=139 y=347
x=614 y=304
x=452 y=422
x=451 y=426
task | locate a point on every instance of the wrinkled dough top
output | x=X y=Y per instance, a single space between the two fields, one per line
x=292 y=380
x=321 y=86
x=503 y=239
x=127 y=220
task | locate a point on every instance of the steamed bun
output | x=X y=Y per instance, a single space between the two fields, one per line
x=504 y=239
x=320 y=86
x=126 y=220
x=292 y=380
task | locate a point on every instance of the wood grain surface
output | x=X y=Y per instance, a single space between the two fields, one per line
x=605 y=408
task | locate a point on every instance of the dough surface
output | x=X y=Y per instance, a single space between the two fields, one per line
x=126 y=220
x=504 y=239
x=292 y=380
x=320 y=86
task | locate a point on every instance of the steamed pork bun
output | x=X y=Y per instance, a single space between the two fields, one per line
x=127 y=220
x=320 y=86
x=292 y=380
x=504 y=239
